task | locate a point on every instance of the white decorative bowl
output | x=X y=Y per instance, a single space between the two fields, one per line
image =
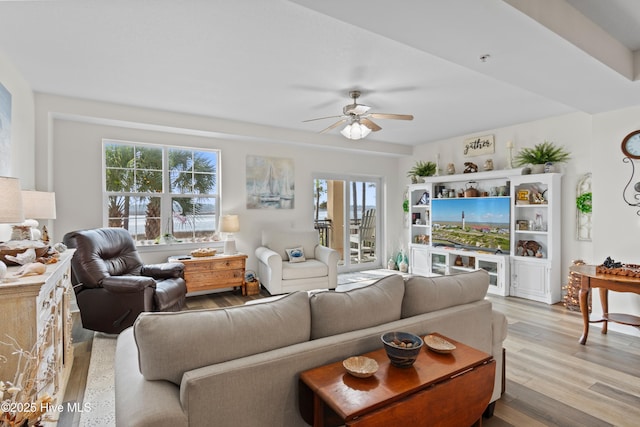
x=360 y=366
x=438 y=344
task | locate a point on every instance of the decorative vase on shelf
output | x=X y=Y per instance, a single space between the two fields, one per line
x=391 y=264
x=537 y=169
x=404 y=266
x=402 y=257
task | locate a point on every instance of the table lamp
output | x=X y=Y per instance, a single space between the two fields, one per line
x=38 y=205
x=230 y=224
x=11 y=211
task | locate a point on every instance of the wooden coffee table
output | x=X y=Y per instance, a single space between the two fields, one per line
x=438 y=390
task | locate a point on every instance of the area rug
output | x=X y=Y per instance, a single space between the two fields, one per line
x=360 y=279
x=99 y=394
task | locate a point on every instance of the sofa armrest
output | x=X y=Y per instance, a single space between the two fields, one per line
x=330 y=257
x=127 y=284
x=499 y=327
x=138 y=402
x=269 y=267
x=166 y=270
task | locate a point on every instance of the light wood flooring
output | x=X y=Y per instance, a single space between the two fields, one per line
x=551 y=379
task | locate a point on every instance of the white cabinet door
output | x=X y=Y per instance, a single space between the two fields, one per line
x=419 y=262
x=529 y=280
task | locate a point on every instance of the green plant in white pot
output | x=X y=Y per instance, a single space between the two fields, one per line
x=541 y=154
x=421 y=169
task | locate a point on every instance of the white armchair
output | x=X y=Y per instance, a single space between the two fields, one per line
x=278 y=275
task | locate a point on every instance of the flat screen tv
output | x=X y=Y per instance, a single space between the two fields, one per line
x=475 y=223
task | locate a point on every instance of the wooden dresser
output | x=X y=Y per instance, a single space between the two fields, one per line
x=35 y=312
x=214 y=272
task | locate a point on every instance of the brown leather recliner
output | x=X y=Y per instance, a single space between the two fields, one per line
x=111 y=284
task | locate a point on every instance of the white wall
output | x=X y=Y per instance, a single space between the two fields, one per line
x=72 y=130
x=616 y=225
x=22 y=134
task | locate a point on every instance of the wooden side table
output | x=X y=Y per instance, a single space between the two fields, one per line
x=439 y=389
x=590 y=278
x=214 y=272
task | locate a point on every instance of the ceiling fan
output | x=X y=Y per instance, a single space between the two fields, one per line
x=358 y=119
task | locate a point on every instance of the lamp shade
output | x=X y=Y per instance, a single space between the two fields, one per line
x=355 y=130
x=11 y=210
x=39 y=204
x=230 y=224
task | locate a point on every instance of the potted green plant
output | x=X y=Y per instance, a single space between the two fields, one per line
x=541 y=154
x=421 y=169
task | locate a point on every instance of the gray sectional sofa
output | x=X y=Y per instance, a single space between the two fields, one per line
x=239 y=366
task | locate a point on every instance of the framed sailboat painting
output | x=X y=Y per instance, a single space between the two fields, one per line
x=270 y=183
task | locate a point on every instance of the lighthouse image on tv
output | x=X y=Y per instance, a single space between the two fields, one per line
x=475 y=223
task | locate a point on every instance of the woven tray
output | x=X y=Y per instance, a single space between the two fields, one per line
x=630 y=270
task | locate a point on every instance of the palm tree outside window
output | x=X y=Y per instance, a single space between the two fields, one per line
x=161 y=194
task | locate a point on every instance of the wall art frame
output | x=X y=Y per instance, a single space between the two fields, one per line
x=270 y=182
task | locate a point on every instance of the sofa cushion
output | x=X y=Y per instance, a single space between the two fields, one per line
x=427 y=294
x=304 y=270
x=170 y=344
x=337 y=312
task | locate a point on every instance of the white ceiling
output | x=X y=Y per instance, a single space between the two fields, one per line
x=278 y=62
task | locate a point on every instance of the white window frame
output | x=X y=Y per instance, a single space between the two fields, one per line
x=166 y=211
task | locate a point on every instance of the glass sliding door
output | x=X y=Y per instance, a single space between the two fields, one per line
x=347 y=217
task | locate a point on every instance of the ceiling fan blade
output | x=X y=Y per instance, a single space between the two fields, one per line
x=368 y=123
x=391 y=116
x=321 y=118
x=333 y=126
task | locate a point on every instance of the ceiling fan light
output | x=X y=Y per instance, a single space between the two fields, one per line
x=355 y=130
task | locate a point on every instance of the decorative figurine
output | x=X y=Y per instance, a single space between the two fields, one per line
x=45 y=234
x=470 y=167
x=528 y=248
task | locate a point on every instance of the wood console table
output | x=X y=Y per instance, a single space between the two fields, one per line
x=438 y=390
x=605 y=282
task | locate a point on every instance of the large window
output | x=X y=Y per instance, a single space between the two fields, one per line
x=161 y=194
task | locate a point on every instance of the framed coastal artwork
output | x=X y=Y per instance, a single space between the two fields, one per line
x=5 y=131
x=270 y=183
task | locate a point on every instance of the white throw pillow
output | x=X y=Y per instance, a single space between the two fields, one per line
x=296 y=254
